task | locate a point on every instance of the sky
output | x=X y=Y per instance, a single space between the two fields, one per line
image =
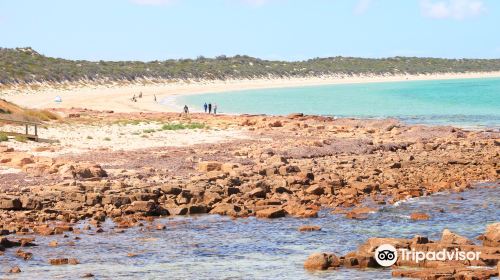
x=269 y=29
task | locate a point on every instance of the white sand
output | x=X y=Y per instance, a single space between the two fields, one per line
x=79 y=138
x=117 y=97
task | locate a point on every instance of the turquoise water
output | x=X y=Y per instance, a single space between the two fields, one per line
x=464 y=102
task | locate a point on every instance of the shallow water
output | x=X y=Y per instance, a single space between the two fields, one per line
x=461 y=102
x=214 y=247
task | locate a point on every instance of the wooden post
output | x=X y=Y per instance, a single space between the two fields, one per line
x=36 y=131
x=26 y=129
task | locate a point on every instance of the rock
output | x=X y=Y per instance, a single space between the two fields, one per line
x=276 y=124
x=315 y=189
x=63 y=261
x=161 y=226
x=171 y=190
x=10 y=203
x=360 y=213
x=24 y=255
x=395 y=165
x=226 y=209
x=53 y=243
x=198 y=209
x=15 y=269
x=321 y=261
x=419 y=216
x=271 y=213
x=21 y=159
x=295 y=115
x=149 y=208
x=87 y=275
x=82 y=171
x=208 y=166
x=258 y=193
x=309 y=228
x=492 y=235
x=449 y=237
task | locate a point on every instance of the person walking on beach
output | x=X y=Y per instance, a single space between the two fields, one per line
x=186 y=109
x=155 y=97
x=205 y=106
x=210 y=108
x=215 y=108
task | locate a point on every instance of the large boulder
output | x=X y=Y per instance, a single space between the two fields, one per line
x=208 y=166
x=226 y=209
x=82 y=171
x=10 y=203
x=271 y=213
x=321 y=261
x=146 y=208
x=449 y=237
x=492 y=235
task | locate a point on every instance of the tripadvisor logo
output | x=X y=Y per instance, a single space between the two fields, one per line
x=387 y=255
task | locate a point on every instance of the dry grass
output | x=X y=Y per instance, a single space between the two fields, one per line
x=11 y=111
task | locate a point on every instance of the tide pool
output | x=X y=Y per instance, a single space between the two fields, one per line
x=461 y=102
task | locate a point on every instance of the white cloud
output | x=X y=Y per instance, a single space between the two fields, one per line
x=362 y=6
x=452 y=9
x=152 y=2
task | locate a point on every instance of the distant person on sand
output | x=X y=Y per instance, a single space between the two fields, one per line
x=210 y=108
x=205 y=106
x=215 y=109
x=155 y=97
x=186 y=109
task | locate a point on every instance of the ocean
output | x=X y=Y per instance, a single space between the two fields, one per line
x=460 y=102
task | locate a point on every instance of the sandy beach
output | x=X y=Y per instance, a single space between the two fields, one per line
x=117 y=97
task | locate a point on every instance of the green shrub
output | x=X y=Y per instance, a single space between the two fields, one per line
x=3 y=137
x=21 y=138
x=180 y=126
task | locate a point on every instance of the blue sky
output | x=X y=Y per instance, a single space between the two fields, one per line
x=270 y=29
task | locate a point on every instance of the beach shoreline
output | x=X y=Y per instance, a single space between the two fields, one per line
x=117 y=97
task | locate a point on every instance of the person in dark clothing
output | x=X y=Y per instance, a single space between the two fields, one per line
x=205 y=106
x=186 y=109
x=215 y=109
x=210 y=108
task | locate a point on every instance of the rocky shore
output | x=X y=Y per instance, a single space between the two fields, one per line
x=276 y=166
x=485 y=267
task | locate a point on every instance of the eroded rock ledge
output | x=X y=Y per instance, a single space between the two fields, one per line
x=485 y=267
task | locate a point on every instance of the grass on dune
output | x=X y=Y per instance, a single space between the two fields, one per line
x=18 y=113
x=180 y=126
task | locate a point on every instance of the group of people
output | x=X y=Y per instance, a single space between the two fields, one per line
x=134 y=98
x=209 y=107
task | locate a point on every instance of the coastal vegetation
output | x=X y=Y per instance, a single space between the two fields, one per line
x=180 y=126
x=3 y=137
x=25 y=65
x=12 y=111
